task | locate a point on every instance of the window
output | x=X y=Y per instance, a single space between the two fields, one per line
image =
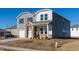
x=29 y=19
x=45 y=29
x=41 y=17
x=46 y=16
x=21 y=21
x=41 y=30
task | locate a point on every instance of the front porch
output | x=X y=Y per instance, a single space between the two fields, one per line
x=37 y=31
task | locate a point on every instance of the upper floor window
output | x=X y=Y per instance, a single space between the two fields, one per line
x=21 y=21
x=41 y=17
x=46 y=16
x=29 y=19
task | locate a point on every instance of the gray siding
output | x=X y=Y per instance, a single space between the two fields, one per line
x=21 y=26
x=24 y=16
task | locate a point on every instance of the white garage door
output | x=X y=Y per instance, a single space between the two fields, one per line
x=22 y=34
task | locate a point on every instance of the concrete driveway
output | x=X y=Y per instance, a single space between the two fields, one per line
x=9 y=39
x=9 y=48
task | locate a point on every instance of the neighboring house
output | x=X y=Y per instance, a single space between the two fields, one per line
x=43 y=23
x=4 y=33
x=74 y=31
x=12 y=29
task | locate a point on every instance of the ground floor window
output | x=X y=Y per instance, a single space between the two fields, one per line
x=43 y=30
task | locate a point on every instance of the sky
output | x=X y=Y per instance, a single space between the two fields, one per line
x=8 y=15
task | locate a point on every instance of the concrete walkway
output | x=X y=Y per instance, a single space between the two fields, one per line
x=9 y=48
x=9 y=39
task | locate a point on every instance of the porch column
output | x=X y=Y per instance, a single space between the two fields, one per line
x=47 y=30
x=32 y=31
x=26 y=31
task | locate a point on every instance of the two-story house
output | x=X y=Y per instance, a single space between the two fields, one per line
x=43 y=23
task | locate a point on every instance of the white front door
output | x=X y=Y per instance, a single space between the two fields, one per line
x=22 y=34
x=30 y=32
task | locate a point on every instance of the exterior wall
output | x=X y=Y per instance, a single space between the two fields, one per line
x=74 y=32
x=21 y=27
x=25 y=17
x=60 y=26
x=50 y=18
x=49 y=12
x=50 y=34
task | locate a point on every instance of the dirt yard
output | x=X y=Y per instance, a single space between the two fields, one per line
x=45 y=45
x=72 y=46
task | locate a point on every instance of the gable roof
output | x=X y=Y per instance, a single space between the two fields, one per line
x=42 y=10
x=23 y=13
x=75 y=26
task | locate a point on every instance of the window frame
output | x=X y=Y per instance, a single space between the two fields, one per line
x=46 y=16
x=29 y=19
x=41 y=30
x=21 y=21
x=41 y=17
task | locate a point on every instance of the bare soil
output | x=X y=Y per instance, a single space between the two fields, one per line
x=45 y=45
x=72 y=46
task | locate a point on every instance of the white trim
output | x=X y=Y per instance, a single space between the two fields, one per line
x=47 y=30
x=23 y=13
x=42 y=10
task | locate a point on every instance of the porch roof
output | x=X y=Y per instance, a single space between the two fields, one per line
x=41 y=23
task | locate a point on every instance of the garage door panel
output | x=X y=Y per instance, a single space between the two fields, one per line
x=22 y=34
